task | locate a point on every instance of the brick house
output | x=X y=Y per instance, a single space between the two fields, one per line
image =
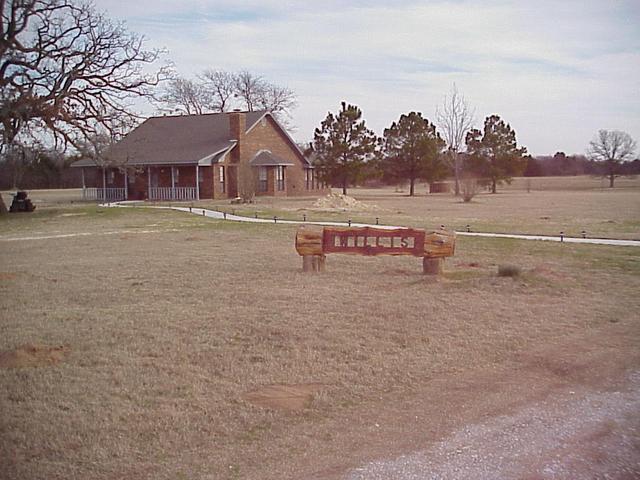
x=211 y=156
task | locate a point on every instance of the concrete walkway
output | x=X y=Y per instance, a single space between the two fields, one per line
x=237 y=218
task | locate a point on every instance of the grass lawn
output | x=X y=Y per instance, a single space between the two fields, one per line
x=547 y=209
x=169 y=321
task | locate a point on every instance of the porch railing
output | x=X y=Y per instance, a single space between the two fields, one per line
x=173 y=193
x=103 y=194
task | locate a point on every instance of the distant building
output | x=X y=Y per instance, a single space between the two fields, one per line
x=192 y=157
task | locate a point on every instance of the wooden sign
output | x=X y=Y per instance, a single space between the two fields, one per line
x=313 y=243
x=373 y=241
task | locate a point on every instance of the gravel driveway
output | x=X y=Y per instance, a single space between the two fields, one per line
x=569 y=435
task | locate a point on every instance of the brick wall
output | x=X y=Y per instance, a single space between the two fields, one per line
x=206 y=185
x=266 y=135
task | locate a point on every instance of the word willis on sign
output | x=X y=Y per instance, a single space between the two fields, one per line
x=313 y=243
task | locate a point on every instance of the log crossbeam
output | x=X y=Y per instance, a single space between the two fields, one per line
x=313 y=243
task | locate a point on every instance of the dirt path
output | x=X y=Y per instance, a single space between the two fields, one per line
x=564 y=411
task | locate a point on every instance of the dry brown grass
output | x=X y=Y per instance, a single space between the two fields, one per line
x=168 y=331
x=554 y=204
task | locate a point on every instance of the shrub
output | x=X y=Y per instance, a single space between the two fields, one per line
x=469 y=189
x=509 y=271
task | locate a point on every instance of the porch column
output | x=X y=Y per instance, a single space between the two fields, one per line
x=173 y=184
x=104 y=185
x=148 y=183
x=126 y=184
x=197 y=182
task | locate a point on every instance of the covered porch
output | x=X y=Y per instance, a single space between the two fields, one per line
x=157 y=183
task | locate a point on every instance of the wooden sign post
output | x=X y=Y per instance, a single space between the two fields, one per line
x=313 y=243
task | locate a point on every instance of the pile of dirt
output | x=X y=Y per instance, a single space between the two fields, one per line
x=33 y=356
x=287 y=397
x=338 y=201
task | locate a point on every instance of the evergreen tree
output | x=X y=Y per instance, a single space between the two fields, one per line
x=494 y=154
x=342 y=145
x=411 y=150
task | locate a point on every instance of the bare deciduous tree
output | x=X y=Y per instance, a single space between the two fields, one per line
x=18 y=157
x=65 y=69
x=469 y=187
x=184 y=96
x=247 y=182
x=220 y=91
x=612 y=148
x=278 y=100
x=97 y=146
x=455 y=118
x=219 y=88
x=248 y=88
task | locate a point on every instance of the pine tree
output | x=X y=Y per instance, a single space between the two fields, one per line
x=494 y=154
x=342 y=145
x=412 y=150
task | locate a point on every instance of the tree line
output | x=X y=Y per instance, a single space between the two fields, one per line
x=69 y=77
x=214 y=91
x=412 y=149
x=345 y=151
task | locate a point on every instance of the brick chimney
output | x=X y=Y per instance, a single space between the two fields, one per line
x=237 y=125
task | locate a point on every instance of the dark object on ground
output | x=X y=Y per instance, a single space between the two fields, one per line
x=439 y=187
x=21 y=203
x=508 y=271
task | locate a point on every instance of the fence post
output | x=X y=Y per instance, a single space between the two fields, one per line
x=307 y=263
x=318 y=263
x=431 y=266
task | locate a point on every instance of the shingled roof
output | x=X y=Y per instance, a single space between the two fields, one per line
x=176 y=140
x=264 y=158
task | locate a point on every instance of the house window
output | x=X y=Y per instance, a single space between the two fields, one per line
x=176 y=173
x=200 y=176
x=222 y=182
x=262 y=179
x=280 y=177
x=131 y=176
x=112 y=177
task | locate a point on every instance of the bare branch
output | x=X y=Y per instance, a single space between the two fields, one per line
x=455 y=118
x=249 y=89
x=219 y=89
x=64 y=67
x=183 y=96
x=612 y=148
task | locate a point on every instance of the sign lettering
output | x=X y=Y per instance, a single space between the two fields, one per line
x=373 y=241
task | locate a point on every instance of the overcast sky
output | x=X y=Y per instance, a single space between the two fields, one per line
x=556 y=70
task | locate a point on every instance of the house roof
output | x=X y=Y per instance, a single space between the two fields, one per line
x=264 y=158
x=185 y=139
